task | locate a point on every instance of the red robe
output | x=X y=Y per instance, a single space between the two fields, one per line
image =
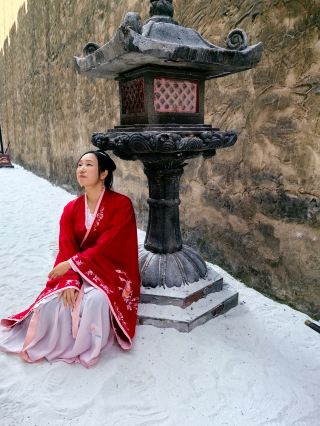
x=106 y=255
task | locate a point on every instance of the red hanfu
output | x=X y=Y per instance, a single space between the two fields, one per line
x=105 y=255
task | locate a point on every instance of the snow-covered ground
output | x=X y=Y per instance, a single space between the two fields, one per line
x=256 y=365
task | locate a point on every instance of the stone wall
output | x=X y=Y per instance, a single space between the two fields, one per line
x=253 y=208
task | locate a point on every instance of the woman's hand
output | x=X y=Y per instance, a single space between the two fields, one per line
x=59 y=270
x=69 y=297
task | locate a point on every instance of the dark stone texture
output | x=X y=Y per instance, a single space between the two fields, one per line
x=170 y=269
x=150 y=144
x=300 y=209
x=161 y=41
x=161 y=7
x=274 y=204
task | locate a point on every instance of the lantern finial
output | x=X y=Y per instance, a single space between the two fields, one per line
x=161 y=8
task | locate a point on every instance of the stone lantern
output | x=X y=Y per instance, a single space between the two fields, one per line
x=161 y=68
x=4 y=157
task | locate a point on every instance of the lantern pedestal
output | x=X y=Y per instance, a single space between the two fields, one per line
x=163 y=259
x=187 y=307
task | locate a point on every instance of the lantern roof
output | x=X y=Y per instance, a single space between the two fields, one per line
x=162 y=41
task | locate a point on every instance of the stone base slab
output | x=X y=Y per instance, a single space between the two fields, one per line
x=185 y=295
x=186 y=319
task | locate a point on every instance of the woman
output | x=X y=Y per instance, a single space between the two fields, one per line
x=93 y=290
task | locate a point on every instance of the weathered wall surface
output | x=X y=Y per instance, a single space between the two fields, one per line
x=253 y=208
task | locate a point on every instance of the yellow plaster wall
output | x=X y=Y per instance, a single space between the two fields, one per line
x=8 y=15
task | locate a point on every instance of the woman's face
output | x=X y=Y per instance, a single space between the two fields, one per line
x=88 y=171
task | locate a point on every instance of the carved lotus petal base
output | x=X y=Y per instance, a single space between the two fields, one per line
x=154 y=143
x=171 y=269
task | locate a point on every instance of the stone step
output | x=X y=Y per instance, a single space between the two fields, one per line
x=183 y=296
x=186 y=319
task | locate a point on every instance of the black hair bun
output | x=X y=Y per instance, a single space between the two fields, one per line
x=111 y=164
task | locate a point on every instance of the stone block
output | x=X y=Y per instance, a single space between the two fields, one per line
x=186 y=319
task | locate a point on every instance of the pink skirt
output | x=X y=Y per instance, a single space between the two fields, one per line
x=58 y=333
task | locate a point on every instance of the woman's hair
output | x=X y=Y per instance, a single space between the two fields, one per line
x=104 y=163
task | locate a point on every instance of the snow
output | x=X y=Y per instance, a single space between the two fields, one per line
x=256 y=365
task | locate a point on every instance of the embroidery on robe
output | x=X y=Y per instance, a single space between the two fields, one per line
x=76 y=260
x=126 y=289
x=120 y=316
x=99 y=217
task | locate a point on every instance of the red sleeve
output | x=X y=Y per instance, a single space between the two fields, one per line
x=68 y=245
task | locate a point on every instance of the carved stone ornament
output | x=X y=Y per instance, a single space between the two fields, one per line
x=171 y=269
x=161 y=41
x=161 y=8
x=133 y=145
x=237 y=40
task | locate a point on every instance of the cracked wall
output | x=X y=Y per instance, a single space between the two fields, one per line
x=253 y=208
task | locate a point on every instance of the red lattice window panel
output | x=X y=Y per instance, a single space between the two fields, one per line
x=132 y=93
x=173 y=95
